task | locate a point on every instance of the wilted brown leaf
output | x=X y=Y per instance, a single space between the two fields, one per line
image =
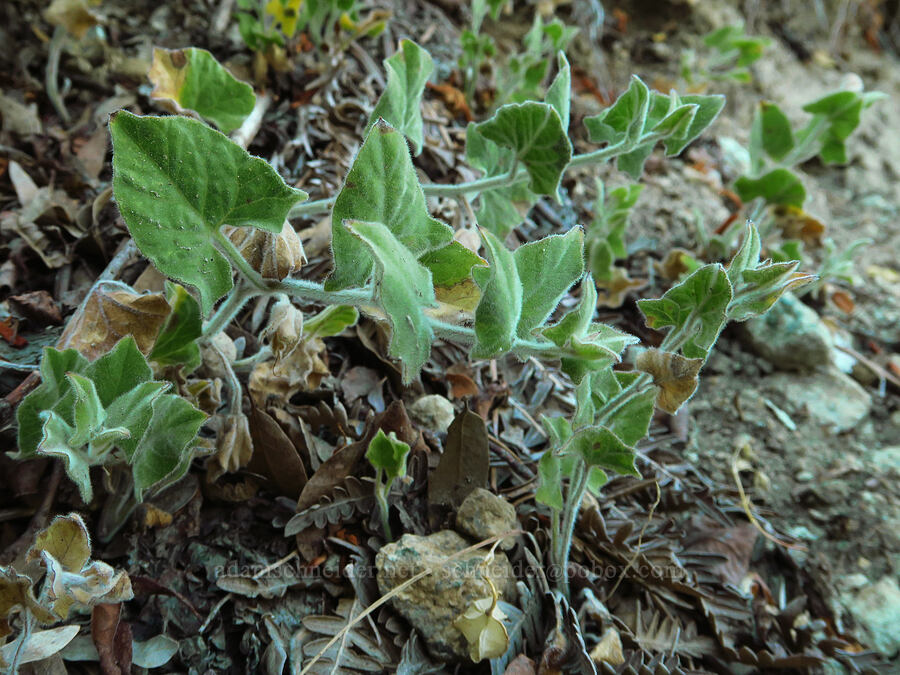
x=67 y=540
x=234 y=446
x=113 y=311
x=612 y=293
x=73 y=15
x=275 y=455
x=464 y=463
x=274 y=256
x=112 y=638
x=675 y=376
x=38 y=306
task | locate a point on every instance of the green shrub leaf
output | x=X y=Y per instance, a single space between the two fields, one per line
x=381 y=187
x=388 y=453
x=559 y=93
x=625 y=119
x=330 y=321
x=708 y=109
x=779 y=186
x=408 y=71
x=498 y=312
x=547 y=268
x=697 y=306
x=534 y=132
x=177 y=339
x=194 y=80
x=177 y=182
x=771 y=133
x=404 y=289
x=600 y=447
x=841 y=112
x=501 y=209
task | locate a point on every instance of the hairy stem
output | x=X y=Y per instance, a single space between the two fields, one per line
x=574 y=496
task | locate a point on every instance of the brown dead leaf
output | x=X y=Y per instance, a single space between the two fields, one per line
x=73 y=15
x=37 y=306
x=674 y=264
x=453 y=98
x=461 y=385
x=274 y=256
x=675 y=376
x=465 y=462
x=275 y=455
x=843 y=301
x=609 y=649
x=9 y=332
x=92 y=153
x=521 y=665
x=612 y=293
x=113 y=311
x=112 y=638
x=18 y=118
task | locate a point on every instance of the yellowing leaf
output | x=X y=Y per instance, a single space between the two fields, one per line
x=73 y=15
x=675 y=376
x=67 y=540
x=285 y=13
x=612 y=293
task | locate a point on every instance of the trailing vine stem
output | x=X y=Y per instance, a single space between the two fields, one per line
x=517 y=174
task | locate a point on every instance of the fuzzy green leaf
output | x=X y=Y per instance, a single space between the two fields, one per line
x=330 y=321
x=779 y=186
x=48 y=396
x=498 y=312
x=408 y=71
x=625 y=119
x=194 y=80
x=177 y=339
x=88 y=412
x=559 y=93
x=382 y=187
x=177 y=181
x=534 y=132
x=404 y=289
x=164 y=453
x=388 y=453
x=547 y=268
x=841 y=112
x=501 y=209
x=118 y=371
x=697 y=306
x=133 y=411
x=600 y=447
x=708 y=109
x=55 y=443
x=549 y=491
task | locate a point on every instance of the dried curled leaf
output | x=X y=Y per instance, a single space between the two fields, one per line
x=113 y=311
x=675 y=376
x=352 y=496
x=285 y=330
x=234 y=447
x=274 y=256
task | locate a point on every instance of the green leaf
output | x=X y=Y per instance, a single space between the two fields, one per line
x=841 y=112
x=600 y=447
x=612 y=214
x=779 y=186
x=625 y=119
x=708 y=109
x=382 y=187
x=55 y=443
x=559 y=94
x=696 y=307
x=388 y=454
x=194 y=80
x=177 y=339
x=559 y=429
x=330 y=321
x=498 y=312
x=577 y=321
x=408 y=71
x=771 y=132
x=133 y=411
x=550 y=477
x=164 y=453
x=177 y=181
x=48 y=396
x=118 y=371
x=88 y=412
x=534 y=132
x=501 y=209
x=547 y=268
x=404 y=289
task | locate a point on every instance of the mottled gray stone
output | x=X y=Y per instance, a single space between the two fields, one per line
x=484 y=514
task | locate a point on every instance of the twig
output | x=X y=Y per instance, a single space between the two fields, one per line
x=51 y=74
x=245 y=134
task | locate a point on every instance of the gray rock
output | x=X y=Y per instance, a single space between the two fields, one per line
x=887 y=458
x=791 y=336
x=434 y=602
x=877 y=608
x=483 y=514
x=433 y=412
x=831 y=398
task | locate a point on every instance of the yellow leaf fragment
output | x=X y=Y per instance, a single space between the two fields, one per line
x=482 y=626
